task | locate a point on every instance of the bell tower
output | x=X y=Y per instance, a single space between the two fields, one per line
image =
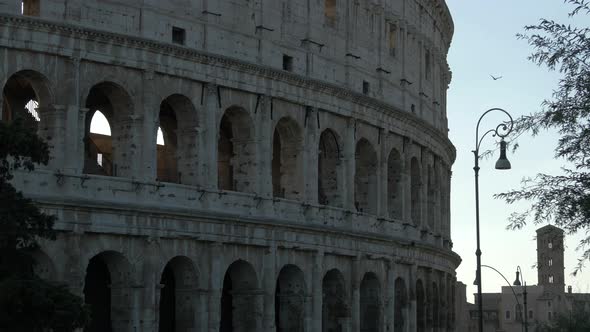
x=550 y=256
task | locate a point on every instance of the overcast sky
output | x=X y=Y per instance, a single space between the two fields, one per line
x=484 y=44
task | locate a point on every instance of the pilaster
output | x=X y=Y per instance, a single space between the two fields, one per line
x=355 y=294
x=349 y=162
x=215 y=286
x=317 y=295
x=209 y=136
x=263 y=126
x=269 y=284
x=311 y=157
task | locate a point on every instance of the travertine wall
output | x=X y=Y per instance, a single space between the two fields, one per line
x=239 y=233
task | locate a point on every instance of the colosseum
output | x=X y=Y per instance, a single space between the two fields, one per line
x=262 y=165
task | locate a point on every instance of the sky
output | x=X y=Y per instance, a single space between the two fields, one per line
x=485 y=44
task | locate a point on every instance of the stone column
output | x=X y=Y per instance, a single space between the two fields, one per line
x=149 y=295
x=149 y=128
x=311 y=157
x=355 y=294
x=428 y=291
x=412 y=317
x=349 y=161
x=215 y=285
x=269 y=284
x=389 y=297
x=187 y=154
x=444 y=302
x=80 y=137
x=52 y=129
x=209 y=137
x=127 y=146
x=406 y=184
x=382 y=175
x=317 y=295
x=263 y=135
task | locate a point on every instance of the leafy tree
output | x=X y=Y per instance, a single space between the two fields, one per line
x=28 y=303
x=560 y=199
x=576 y=320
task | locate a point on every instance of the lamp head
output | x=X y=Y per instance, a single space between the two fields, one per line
x=517 y=280
x=503 y=162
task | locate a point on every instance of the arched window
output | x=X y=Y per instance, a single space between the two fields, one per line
x=400 y=305
x=335 y=308
x=30 y=7
x=290 y=300
x=23 y=94
x=236 y=152
x=330 y=12
x=99 y=146
x=370 y=310
x=107 y=140
x=329 y=169
x=106 y=291
x=167 y=147
x=421 y=306
x=178 y=280
x=241 y=305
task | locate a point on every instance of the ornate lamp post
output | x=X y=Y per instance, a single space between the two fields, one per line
x=518 y=282
x=511 y=288
x=502 y=130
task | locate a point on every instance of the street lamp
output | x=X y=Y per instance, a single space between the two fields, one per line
x=517 y=282
x=476 y=282
x=502 y=130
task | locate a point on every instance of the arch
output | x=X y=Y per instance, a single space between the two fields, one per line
x=329 y=169
x=179 y=281
x=400 y=305
x=394 y=185
x=415 y=190
x=176 y=160
x=287 y=161
x=106 y=292
x=435 y=303
x=112 y=101
x=31 y=7
x=241 y=305
x=335 y=307
x=99 y=147
x=365 y=177
x=370 y=307
x=24 y=94
x=420 y=306
x=236 y=152
x=443 y=304
x=290 y=300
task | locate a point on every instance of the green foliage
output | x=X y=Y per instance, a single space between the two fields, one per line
x=28 y=303
x=575 y=321
x=560 y=199
x=34 y=304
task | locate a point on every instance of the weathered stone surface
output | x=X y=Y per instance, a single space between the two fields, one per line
x=304 y=180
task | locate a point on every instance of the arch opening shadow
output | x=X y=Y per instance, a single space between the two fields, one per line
x=329 y=169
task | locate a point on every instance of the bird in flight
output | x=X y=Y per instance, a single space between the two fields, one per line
x=495 y=78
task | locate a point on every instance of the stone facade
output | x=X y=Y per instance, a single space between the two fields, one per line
x=304 y=179
x=545 y=301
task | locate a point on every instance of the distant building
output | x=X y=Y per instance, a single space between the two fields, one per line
x=501 y=311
